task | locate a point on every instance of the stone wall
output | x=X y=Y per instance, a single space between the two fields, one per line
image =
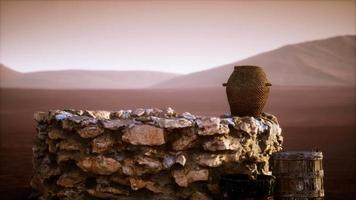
x=146 y=153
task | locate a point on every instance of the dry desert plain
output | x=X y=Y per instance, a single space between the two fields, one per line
x=310 y=117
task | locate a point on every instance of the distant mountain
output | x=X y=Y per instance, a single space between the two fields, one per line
x=81 y=79
x=324 y=62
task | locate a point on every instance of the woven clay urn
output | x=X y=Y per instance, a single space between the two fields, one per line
x=247 y=90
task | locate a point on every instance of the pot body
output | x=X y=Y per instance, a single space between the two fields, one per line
x=247 y=90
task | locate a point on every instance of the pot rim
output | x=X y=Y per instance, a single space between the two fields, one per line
x=246 y=67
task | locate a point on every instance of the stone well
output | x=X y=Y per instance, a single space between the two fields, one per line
x=146 y=153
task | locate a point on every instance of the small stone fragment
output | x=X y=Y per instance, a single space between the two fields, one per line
x=181 y=159
x=46 y=170
x=210 y=160
x=149 y=163
x=144 y=135
x=71 y=193
x=99 y=114
x=184 y=177
x=42 y=131
x=228 y=121
x=130 y=168
x=168 y=161
x=52 y=147
x=70 y=179
x=63 y=156
x=211 y=126
x=186 y=141
x=222 y=143
x=126 y=114
x=68 y=125
x=247 y=124
x=138 y=112
x=102 y=143
x=137 y=184
x=188 y=116
x=153 y=112
x=62 y=115
x=199 y=196
x=170 y=112
x=107 y=192
x=90 y=131
x=116 y=124
x=41 y=116
x=120 y=180
x=99 y=165
x=70 y=145
x=56 y=134
x=172 y=123
x=214 y=188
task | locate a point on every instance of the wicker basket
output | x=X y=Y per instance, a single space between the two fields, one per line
x=299 y=175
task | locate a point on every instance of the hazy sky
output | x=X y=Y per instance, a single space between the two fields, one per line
x=171 y=36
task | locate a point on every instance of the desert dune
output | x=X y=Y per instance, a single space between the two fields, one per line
x=81 y=79
x=323 y=62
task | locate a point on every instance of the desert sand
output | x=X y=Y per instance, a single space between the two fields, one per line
x=310 y=117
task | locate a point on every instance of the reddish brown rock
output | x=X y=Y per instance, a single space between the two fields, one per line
x=56 y=134
x=70 y=145
x=71 y=193
x=120 y=180
x=137 y=184
x=199 y=196
x=102 y=192
x=186 y=141
x=102 y=144
x=185 y=176
x=149 y=163
x=64 y=156
x=52 y=147
x=144 y=135
x=99 y=165
x=90 y=131
x=71 y=178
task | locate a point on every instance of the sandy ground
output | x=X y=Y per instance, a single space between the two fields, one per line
x=310 y=117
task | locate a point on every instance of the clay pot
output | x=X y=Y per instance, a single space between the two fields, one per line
x=247 y=90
